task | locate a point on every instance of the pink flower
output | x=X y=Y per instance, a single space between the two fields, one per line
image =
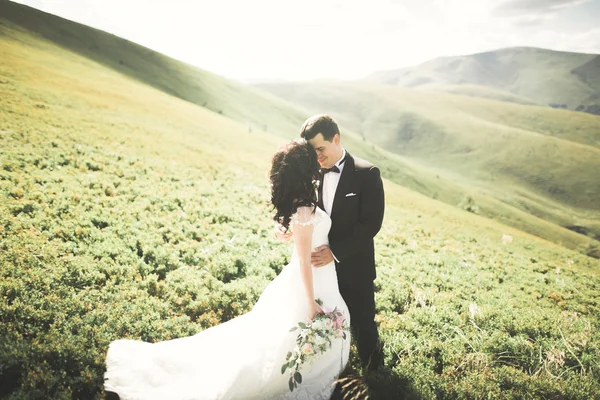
x=307 y=349
x=338 y=321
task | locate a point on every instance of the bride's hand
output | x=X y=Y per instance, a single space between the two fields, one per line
x=281 y=233
x=314 y=309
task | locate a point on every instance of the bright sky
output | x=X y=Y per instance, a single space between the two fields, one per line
x=266 y=40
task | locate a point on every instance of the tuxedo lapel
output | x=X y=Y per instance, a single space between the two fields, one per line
x=344 y=185
x=320 y=192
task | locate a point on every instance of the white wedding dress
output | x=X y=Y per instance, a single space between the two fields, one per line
x=241 y=358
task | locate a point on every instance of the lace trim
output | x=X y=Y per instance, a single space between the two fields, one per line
x=313 y=220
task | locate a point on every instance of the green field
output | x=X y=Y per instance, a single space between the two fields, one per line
x=128 y=212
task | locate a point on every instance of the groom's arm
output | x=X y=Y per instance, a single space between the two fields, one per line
x=370 y=217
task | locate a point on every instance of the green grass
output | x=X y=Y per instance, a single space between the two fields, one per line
x=126 y=212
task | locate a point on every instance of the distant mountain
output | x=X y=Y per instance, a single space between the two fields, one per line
x=546 y=77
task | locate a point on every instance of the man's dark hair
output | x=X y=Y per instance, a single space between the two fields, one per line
x=322 y=124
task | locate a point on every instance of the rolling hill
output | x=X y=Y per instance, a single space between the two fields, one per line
x=129 y=212
x=257 y=109
x=540 y=160
x=546 y=77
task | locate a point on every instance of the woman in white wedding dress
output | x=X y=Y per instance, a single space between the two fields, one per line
x=242 y=358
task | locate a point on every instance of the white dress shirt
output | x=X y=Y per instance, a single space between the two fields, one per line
x=330 y=184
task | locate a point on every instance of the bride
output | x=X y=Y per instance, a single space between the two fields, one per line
x=242 y=358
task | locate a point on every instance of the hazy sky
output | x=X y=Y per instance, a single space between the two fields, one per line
x=258 y=40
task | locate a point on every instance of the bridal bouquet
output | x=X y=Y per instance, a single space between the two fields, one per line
x=314 y=338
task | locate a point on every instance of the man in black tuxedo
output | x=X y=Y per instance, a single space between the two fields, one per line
x=351 y=192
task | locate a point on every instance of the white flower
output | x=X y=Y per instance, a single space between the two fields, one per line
x=319 y=340
x=318 y=325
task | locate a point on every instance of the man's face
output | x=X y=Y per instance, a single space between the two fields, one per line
x=328 y=153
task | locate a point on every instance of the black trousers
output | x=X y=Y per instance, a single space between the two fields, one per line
x=360 y=299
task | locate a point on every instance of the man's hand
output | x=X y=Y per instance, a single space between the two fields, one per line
x=282 y=234
x=321 y=256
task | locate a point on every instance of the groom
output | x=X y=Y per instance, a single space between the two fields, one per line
x=351 y=192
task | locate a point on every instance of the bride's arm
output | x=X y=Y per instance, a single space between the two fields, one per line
x=303 y=230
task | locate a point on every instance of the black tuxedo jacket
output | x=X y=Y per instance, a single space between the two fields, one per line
x=356 y=217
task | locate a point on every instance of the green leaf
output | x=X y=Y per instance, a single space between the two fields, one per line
x=289 y=354
x=298 y=377
x=293 y=329
x=291 y=384
x=302 y=325
x=292 y=363
x=283 y=368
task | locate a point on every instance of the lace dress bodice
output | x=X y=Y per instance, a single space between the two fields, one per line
x=319 y=219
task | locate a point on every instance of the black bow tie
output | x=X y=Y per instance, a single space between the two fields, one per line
x=333 y=169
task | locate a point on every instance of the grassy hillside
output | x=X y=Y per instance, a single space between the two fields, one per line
x=257 y=109
x=128 y=212
x=504 y=150
x=482 y=92
x=543 y=76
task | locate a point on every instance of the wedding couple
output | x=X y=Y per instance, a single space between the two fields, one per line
x=332 y=261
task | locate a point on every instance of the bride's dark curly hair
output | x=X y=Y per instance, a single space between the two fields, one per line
x=293 y=169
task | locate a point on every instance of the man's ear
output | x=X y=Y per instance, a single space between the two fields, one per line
x=336 y=139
